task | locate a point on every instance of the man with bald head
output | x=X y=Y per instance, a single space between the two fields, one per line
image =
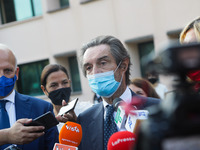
x=21 y=109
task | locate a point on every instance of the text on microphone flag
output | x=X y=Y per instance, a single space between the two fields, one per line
x=70 y=134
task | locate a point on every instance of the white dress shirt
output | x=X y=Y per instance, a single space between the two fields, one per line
x=126 y=97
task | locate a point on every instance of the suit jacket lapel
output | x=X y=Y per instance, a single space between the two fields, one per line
x=132 y=93
x=96 y=125
x=22 y=106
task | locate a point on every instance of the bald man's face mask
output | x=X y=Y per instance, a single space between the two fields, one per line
x=6 y=85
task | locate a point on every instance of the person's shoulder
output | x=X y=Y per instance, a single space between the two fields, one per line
x=156 y=100
x=31 y=98
x=147 y=101
x=92 y=109
x=82 y=106
x=90 y=114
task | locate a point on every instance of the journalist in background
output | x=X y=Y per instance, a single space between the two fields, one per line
x=191 y=34
x=17 y=109
x=106 y=64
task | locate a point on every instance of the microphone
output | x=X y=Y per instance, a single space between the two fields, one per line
x=134 y=121
x=120 y=116
x=70 y=136
x=121 y=140
x=135 y=117
x=116 y=103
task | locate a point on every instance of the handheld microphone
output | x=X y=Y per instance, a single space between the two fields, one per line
x=121 y=140
x=70 y=135
x=116 y=103
x=134 y=121
x=120 y=116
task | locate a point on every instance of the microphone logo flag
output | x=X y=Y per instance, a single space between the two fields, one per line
x=121 y=140
x=70 y=134
x=119 y=116
x=69 y=127
x=133 y=121
x=59 y=146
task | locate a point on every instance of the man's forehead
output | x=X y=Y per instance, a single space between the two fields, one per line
x=7 y=58
x=97 y=52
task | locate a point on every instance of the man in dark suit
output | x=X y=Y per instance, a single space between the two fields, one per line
x=18 y=109
x=106 y=64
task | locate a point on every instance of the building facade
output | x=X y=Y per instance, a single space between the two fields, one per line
x=53 y=31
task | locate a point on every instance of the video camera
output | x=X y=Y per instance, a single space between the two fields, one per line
x=177 y=59
x=175 y=123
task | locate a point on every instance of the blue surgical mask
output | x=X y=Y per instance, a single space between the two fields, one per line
x=6 y=85
x=104 y=84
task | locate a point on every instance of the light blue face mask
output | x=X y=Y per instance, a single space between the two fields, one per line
x=6 y=85
x=104 y=84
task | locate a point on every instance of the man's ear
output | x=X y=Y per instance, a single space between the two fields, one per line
x=124 y=64
x=17 y=73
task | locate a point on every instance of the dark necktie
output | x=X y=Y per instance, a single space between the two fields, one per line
x=109 y=125
x=4 y=119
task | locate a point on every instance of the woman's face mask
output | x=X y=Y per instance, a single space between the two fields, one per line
x=153 y=80
x=57 y=96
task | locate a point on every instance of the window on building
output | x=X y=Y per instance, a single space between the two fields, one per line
x=64 y=3
x=56 y=5
x=17 y=10
x=29 y=78
x=85 y=1
x=75 y=77
x=146 y=52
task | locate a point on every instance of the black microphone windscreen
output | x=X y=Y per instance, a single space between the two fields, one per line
x=116 y=102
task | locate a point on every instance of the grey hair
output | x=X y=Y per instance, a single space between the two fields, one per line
x=117 y=49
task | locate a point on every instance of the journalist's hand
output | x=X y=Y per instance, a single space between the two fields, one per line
x=70 y=116
x=20 y=134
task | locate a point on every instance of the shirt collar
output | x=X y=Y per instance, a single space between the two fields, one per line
x=126 y=96
x=11 y=97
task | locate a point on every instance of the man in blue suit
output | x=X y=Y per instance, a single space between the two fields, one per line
x=21 y=109
x=106 y=64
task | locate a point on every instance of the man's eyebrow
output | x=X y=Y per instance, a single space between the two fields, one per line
x=86 y=64
x=103 y=57
x=8 y=68
x=99 y=59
